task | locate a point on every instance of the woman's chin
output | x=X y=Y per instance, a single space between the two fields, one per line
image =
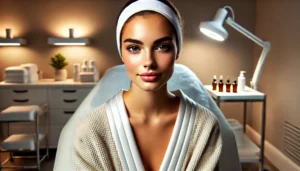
x=150 y=86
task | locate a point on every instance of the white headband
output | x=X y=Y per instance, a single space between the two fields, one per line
x=151 y=5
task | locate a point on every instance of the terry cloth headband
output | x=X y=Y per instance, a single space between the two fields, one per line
x=149 y=5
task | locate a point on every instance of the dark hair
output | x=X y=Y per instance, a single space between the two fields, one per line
x=142 y=13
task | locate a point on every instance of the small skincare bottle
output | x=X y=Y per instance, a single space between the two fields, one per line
x=85 y=66
x=76 y=71
x=241 y=82
x=92 y=66
x=234 y=86
x=221 y=84
x=214 y=83
x=228 y=85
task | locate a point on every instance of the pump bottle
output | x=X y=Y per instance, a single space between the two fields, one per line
x=241 y=82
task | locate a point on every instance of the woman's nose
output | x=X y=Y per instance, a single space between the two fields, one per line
x=149 y=61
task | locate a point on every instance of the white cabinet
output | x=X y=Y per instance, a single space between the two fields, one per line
x=62 y=97
x=67 y=97
x=22 y=96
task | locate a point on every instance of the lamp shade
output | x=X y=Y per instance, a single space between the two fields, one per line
x=214 y=29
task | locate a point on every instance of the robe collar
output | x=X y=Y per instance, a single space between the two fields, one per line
x=125 y=142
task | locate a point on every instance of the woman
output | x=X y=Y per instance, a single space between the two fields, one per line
x=148 y=127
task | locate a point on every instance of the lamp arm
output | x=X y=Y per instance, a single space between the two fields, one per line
x=264 y=44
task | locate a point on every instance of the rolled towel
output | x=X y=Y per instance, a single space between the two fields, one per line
x=32 y=68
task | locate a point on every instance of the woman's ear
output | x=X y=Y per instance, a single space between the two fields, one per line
x=177 y=56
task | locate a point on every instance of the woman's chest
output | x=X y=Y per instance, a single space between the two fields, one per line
x=152 y=143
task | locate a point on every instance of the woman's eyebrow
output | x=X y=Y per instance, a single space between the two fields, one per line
x=141 y=43
x=162 y=39
x=134 y=41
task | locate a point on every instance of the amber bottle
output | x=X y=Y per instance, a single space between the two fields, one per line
x=228 y=85
x=214 y=83
x=234 y=86
x=221 y=84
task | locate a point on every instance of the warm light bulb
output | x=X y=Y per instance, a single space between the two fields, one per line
x=10 y=44
x=211 y=34
x=69 y=44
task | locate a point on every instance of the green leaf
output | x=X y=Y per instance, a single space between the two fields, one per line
x=58 y=61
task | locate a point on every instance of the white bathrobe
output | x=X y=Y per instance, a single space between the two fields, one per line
x=104 y=139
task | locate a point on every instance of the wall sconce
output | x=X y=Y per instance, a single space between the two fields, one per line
x=9 y=41
x=71 y=41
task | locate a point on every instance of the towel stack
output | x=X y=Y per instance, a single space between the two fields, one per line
x=25 y=73
x=89 y=76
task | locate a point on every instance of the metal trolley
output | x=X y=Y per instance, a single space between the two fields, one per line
x=245 y=145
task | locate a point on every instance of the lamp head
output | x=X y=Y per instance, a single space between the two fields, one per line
x=214 y=29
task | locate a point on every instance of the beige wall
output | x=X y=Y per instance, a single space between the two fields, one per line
x=36 y=20
x=279 y=23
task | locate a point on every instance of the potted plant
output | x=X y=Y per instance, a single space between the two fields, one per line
x=59 y=62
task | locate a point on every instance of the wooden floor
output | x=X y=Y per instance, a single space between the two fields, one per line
x=47 y=165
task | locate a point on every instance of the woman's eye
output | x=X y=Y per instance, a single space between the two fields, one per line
x=165 y=48
x=133 y=48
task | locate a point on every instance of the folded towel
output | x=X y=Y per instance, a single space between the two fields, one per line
x=16 y=70
x=88 y=76
x=16 y=79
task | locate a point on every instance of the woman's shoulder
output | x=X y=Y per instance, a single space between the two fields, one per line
x=93 y=120
x=205 y=113
x=202 y=113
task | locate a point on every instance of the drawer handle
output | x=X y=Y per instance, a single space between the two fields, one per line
x=70 y=101
x=69 y=91
x=20 y=91
x=21 y=100
x=69 y=112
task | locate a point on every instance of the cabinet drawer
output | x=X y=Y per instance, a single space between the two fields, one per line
x=4 y=94
x=22 y=96
x=60 y=116
x=67 y=97
x=24 y=128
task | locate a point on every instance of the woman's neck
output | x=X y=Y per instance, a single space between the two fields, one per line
x=149 y=104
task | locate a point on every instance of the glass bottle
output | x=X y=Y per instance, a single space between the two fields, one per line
x=228 y=85
x=214 y=83
x=234 y=86
x=221 y=84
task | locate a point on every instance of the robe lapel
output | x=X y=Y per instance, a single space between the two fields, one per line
x=178 y=145
x=125 y=142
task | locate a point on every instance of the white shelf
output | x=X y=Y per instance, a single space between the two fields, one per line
x=248 y=151
x=21 y=142
x=249 y=94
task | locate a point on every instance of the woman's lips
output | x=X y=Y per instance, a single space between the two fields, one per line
x=150 y=77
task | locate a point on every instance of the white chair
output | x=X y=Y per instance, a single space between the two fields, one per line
x=115 y=79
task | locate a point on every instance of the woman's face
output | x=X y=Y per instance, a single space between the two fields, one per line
x=149 y=51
